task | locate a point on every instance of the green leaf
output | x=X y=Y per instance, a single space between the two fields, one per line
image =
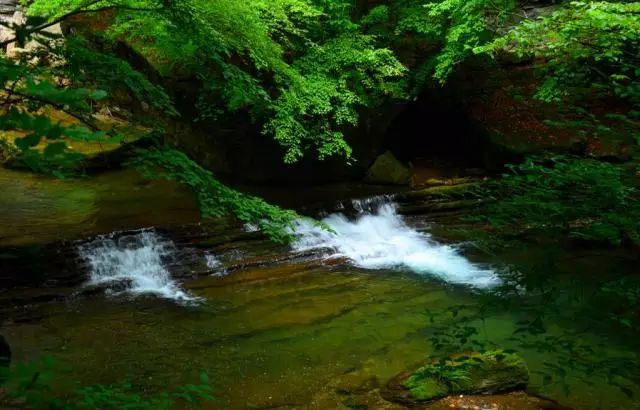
x=28 y=141
x=55 y=149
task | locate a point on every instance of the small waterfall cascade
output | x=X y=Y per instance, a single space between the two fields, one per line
x=133 y=264
x=378 y=238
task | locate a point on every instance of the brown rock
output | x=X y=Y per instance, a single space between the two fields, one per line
x=512 y=401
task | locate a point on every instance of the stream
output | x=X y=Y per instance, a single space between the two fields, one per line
x=156 y=297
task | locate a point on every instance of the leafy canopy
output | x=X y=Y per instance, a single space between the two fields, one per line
x=300 y=67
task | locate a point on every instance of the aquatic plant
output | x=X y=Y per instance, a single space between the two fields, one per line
x=32 y=385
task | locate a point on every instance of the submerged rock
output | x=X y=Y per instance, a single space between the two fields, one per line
x=511 y=401
x=475 y=373
x=387 y=169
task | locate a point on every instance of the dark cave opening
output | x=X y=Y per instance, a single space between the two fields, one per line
x=437 y=129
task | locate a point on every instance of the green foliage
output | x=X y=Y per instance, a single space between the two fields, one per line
x=125 y=397
x=461 y=25
x=31 y=384
x=587 y=48
x=451 y=28
x=561 y=318
x=337 y=79
x=26 y=93
x=298 y=66
x=377 y=15
x=105 y=71
x=216 y=199
x=624 y=295
x=585 y=198
x=234 y=48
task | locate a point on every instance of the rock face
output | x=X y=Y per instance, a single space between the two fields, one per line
x=9 y=14
x=7 y=10
x=476 y=373
x=387 y=169
x=5 y=358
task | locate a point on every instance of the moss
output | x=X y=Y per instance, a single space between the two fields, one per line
x=461 y=190
x=387 y=169
x=476 y=373
x=426 y=389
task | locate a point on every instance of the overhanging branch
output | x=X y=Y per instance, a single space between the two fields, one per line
x=83 y=10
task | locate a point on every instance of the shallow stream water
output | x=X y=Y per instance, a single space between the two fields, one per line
x=326 y=323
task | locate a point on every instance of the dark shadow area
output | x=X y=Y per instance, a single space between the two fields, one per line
x=433 y=128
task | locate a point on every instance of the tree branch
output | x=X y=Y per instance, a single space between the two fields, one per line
x=84 y=120
x=79 y=11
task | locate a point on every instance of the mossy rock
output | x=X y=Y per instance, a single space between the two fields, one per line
x=388 y=170
x=491 y=372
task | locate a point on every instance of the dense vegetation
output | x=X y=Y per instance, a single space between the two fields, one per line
x=565 y=196
x=304 y=70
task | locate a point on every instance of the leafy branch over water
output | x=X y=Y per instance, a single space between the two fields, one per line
x=582 y=198
x=214 y=198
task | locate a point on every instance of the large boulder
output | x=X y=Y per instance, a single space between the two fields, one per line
x=388 y=170
x=475 y=373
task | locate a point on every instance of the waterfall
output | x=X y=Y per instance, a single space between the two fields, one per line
x=378 y=238
x=136 y=262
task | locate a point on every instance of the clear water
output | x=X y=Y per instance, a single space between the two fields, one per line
x=329 y=331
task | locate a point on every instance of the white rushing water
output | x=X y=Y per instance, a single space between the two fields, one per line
x=214 y=265
x=135 y=261
x=378 y=238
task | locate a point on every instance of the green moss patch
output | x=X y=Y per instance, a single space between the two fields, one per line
x=476 y=373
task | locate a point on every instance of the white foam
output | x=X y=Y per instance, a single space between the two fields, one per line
x=135 y=260
x=215 y=265
x=211 y=261
x=380 y=239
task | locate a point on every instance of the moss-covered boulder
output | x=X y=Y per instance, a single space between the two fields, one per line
x=387 y=169
x=491 y=372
